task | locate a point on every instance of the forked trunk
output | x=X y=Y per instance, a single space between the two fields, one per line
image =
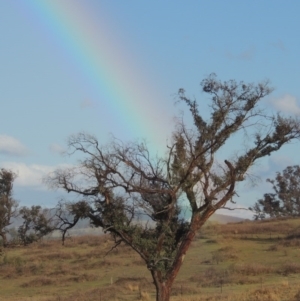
x=163 y=288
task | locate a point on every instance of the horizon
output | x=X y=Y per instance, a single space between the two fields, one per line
x=111 y=69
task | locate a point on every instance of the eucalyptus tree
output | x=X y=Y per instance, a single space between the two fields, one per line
x=37 y=223
x=120 y=182
x=284 y=201
x=8 y=205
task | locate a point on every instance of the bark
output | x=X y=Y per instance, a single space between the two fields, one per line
x=163 y=288
x=4 y=240
x=196 y=223
x=163 y=292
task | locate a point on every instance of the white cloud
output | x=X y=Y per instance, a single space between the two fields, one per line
x=56 y=148
x=287 y=104
x=11 y=146
x=236 y=210
x=30 y=175
x=280 y=162
x=268 y=167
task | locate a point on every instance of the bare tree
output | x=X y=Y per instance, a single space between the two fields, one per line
x=8 y=206
x=67 y=216
x=120 y=182
x=285 y=200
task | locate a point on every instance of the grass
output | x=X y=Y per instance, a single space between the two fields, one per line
x=245 y=261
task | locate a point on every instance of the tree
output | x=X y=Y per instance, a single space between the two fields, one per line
x=285 y=200
x=8 y=206
x=68 y=215
x=36 y=224
x=119 y=183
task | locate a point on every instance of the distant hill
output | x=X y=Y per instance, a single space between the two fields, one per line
x=224 y=219
x=83 y=226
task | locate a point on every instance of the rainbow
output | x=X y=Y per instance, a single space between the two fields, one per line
x=107 y=63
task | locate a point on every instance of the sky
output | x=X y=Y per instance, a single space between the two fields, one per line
x=113 y=68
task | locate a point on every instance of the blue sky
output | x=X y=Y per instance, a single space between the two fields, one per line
x=49 y=91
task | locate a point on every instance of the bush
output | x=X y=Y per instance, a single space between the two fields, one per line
x=252 y=269
x=290 y=268
x=222 y=254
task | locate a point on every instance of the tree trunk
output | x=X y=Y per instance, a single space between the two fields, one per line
x=163 y=293
x=163 y=288
x=4 y=240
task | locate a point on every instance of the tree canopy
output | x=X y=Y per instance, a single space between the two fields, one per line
x=37 y=223
x=285 y=199
x=120 y=184
x=8 y=206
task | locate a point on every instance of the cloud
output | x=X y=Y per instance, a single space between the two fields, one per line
x=268 y=167
x=280 y=162
x=287 y=104
x=11 y=146
x=236 y=210
x=56 y=148
x=30 y=175
x=86 y=103
x=279 y=45
x=245 y=55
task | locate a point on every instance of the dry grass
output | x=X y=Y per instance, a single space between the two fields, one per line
x=247 y=261
x=250 y=229
x=223 y=254
x=251 y=269
x=290 y=268
x=39 y=281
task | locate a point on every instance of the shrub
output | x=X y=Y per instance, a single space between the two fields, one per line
x=290 y=268
x=273 y=248
x=252 y=269
x=222 y=254
x=265 y=294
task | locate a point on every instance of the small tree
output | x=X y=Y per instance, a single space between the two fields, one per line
x=68 y=215
x=120 y=183
x=8 y=206
x=36 y=224
x=285 y=200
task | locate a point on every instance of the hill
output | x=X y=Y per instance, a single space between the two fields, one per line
x=224 y=219
x=249 y=260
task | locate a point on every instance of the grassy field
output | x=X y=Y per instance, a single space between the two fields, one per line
x=244 y=261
